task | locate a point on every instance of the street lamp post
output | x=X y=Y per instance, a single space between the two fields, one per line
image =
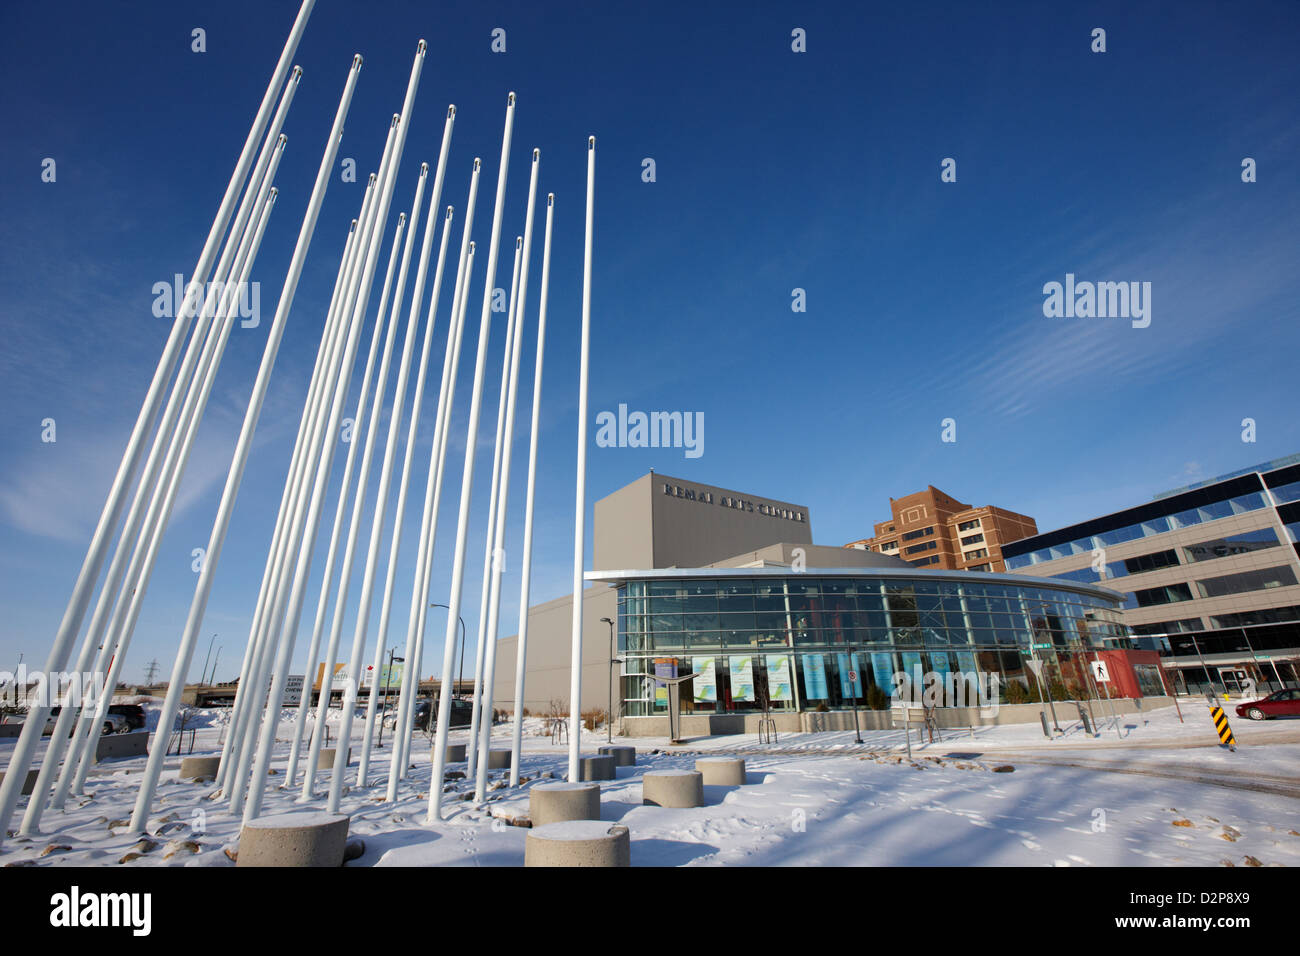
x=461 y=679
x=609 y=716
x=854 y=677
x=1045 y=687
x=387 y=678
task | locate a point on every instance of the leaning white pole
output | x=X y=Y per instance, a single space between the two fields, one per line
x=335 y=322
x=580 y=506
x=467 y=478
x=198 y=606
x=521 y=652
x=21 y=758
x=282 y=623
x=382 y=493
x=490 y=557
x=498 y=548
x=258 y=785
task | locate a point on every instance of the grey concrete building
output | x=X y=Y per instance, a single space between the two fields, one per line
x=658 y=522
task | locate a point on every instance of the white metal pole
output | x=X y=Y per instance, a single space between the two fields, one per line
x=467 y=478
x=498 y=549
x=280 y=673
x=162 y=456
x=331 y=336
x=580 y=505
x=438 y=450
x=390 y=451
x=416 y=403
x=331 y=341
x=490 y=557
x=382 y=493
x=70 y=625
x=521 y=652
x=243 y=446
x=320 y=460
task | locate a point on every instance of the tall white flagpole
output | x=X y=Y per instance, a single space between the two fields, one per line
x=491 y=558
x=21 y=758
x=580 y=506
x=521 y=652
x=467 y=478
x=281 y=625
x=498 y=548
x=331 y=337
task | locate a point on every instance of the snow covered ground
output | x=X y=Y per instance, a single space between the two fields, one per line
x=1158 y=793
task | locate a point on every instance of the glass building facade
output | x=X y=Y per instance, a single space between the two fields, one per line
x=772 y=639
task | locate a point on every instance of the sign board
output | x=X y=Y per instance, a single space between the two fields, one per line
x=742 y=678
x=706 y=681
x=1036 y=666
x=340 y=676
x=1100 y=672
x=779 y=685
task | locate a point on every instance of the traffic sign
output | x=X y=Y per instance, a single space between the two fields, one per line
x=853 y=677
x=1100 y=672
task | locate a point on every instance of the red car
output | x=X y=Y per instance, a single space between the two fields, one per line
x=1282 y=703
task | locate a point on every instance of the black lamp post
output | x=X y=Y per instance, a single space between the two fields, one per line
x=459 y=680
x=609 y=716
x=387 y=678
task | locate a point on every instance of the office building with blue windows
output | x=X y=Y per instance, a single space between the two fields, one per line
x=1209 y=573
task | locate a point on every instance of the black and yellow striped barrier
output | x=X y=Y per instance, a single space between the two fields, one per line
x=1221 y=727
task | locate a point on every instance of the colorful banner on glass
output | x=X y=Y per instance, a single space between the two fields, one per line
x=742 y=678
x=778 y=677
x=814 y=677
x=706 y=680
x=849 y=689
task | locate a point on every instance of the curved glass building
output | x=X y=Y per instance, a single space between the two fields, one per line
x=773 y=639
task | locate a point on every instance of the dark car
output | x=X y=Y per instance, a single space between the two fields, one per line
x=426 y=715
x=1282 y=703
x=133 y=713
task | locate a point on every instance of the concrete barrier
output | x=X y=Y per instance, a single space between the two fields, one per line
x=596 y=768
x=200 y=769
x=672 y=788
x=326 y=759
x=578 y=843
x=624 y=756
x=11 y=730
x=294 y=839
x=498 y=759
x=29 y=784
x=722 y=771
x=560 y=802
x=134 y=744
x=455 y=753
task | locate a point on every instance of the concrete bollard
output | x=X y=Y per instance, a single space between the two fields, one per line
x=294 y=839
x=200 y=769
x=722 y=771
x=455 y=753
x=560 y=802
x=672 y=788
x=578 y=843
x=326 y=759
x=596 y=768
x=624 y=756
x=498 y=759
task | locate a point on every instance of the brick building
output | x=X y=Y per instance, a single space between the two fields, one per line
x=931 y=529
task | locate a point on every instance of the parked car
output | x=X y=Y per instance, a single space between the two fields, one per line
x=426 y=715
x=1282 y=703
x=133 y=713
x=116 y=724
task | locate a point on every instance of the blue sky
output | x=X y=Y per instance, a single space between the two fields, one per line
x=775 y=171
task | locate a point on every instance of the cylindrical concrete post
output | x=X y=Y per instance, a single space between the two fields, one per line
x=722 y=771
x=578 y=843
x=294 y=839
x=326 y=759
x=596 y=768
x=560 y=802
x=200 y=769
x=624 y=756
x=672 y=788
